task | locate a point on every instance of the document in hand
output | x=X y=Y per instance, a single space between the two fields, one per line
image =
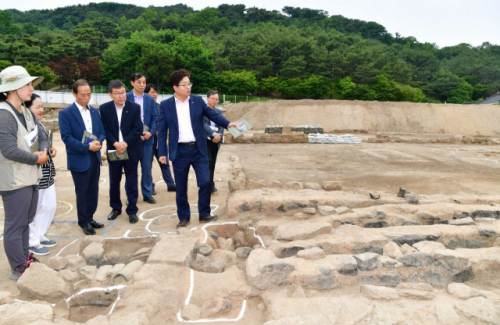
x=243 y=126
x=32 y=140
x=145 y=128
x=114 y=156
x=88 y=137
x=51 y=136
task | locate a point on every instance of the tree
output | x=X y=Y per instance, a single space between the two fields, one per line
x=346 y=87
x=91 y=71
x=157 y=62
x=238 y=82
x=66 y=71
x=39 y=71
x=4 y=64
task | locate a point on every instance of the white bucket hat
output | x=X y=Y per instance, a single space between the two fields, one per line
x=15 y=77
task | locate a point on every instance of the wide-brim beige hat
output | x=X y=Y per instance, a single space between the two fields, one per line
x=15 y=77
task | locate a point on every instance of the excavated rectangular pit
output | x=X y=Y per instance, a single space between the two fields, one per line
x=91 y=304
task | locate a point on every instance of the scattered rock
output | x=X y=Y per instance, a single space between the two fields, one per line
x=407 y=249
x=75 y=262
x=332 y=186
x=464 y=275
x=300 y=231
x=190 y=312
x=450 y=260
x=463 y=291
x=265 y=271
x=446 y=314
x=311 y=211
x=57 y=262
x=213 y=235
x=479 y=309
x=6 y=297
x=42 y=283
x=428 y=246
x=374 y=195
x=205 y=250
x=369 y=249
x=461 y=222
x=411 y=198
x=293 y=185
x=389 y=279
x=422 y=291
x=203 y=264
x=343 y=210
x=410 y=239
x=486 y=231
x=367 y=261
x=418 y=259
x=402 y=192
x=326 y=210
x=325 y=281
x=392 y=249
x=87 y=240
x=312 y=186
x=436 y=278
x=389 y=263
x=379 y=293
x=69 y=276
x=215 y=307
x=243 y=252
x=93 y=253
x=88 y=272
x=427 y=217
x=377 y=224
x=314 y=253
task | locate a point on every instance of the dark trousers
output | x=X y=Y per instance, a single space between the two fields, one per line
x=187 y=157
x=131 y=184
x=87 y=191
x=20 y=210
x=165 y=168
x=213 y=150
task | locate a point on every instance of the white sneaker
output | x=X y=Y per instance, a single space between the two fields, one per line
x=39 y=250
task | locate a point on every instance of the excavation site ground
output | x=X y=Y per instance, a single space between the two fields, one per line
x=400 y=228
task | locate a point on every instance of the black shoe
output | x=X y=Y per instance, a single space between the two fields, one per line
x=114 y=213
x=96 y=225
x=172 y=189
x=153 y=192
x=210 y=218
x=88 y=230
x=214 y=189
x=183 y=223
x=150 y=200
x=133 y=218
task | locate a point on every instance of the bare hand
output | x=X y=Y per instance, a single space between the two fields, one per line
x=163 y=160
x=53 y=152
x=217 y=138
x=232 y=124
x=95 y=146
x=146 y=135
x=42 y=157
x=120 y=147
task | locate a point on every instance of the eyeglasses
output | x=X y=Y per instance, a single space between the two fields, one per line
x=189 y=85
x=119 y=94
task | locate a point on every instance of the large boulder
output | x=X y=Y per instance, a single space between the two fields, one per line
x=450 y=260
x=265 y=271
x=298 y=231
x=174 y=250
x=43 y=283
x=24 y=313
x=93 y=253
x=87 y=240
x=57 y=262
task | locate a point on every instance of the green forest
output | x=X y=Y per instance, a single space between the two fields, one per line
x=295 y=53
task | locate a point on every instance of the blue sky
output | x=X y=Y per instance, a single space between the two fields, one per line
x=444 y=22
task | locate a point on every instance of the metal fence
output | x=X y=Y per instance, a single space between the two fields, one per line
x=96 y=99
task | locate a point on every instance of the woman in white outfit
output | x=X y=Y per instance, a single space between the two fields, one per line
x=47 y=201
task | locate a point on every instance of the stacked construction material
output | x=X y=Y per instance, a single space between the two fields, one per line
x=275 y=129
x=332 y=138
x=307 y=129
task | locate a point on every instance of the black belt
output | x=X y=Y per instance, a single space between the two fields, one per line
x=187 y=144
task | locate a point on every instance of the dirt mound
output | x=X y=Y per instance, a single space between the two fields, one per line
x=372 y=116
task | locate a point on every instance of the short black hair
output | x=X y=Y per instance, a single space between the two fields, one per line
x=212 y=92
x=148 y=88
x=177 y=76
x=116 y=84
x=136 y=75
x=30 y=102
x=78 y=83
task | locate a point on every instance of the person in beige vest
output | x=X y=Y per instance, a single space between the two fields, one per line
x=23 y=145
